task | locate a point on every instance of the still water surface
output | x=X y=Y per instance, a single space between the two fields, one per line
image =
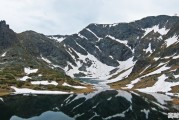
x=103 y=104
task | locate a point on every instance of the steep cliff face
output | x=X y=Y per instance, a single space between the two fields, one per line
x=7 y=36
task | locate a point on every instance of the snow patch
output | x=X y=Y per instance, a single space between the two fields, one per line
x=144 y=69
x=44 y=83
x=131 y=85
x=93 y=33
x=171 y=40
x=125 y=42
x=125 y=66
x=96 y=70
x=156 y=58
x=176 y=57
x=149 y=49
x=81 y=36
x=24 y=78
x=161 y=98
x=121 y=41
x=50 y=63
x=159 y=70
x=176 y=76
x=4 y=54
x=160 y=86
x=46 y=60
x=58 y=39
x=125 y=94
x=146 y=113
x=29 y=70
x=156 y=28
x=1 y=99
x=163 y=68
x=77 y=87
x=40 y=75
x=30 y=91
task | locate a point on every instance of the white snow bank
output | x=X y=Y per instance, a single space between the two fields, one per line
x=77 y=87
x=50 y=63
x=121 y=41
x=161 y=98
x=171 y=40
x=131 y=85
x=163 y=68
x=93 y=33
x=81 y=36
x=149 y=49
x=156 y=28
x=160 y=86
x=126 y=66
x=146 y=113
x=125 y=42
x=1 y=99
x=24 y=78
x=176 y=57
x=46 y=60
x=29 y=70
x=44 y=83
x=125 y=94
x=96 y=70
x=30 y=91
x=156 y=58
x=159 y=70
x=58 y=39
x=4 y=54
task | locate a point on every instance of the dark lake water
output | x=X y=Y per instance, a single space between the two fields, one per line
x=99 y=105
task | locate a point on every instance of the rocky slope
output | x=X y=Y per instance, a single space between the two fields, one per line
x=22 y=64
x=140 y=55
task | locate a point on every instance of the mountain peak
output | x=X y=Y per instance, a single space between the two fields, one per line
x=3 y=24
x=7 y=36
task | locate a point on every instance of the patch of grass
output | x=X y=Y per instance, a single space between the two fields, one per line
x=116 y=75
x=148 y=81
x=124 y=82
x=175 y=101
x=175 y=89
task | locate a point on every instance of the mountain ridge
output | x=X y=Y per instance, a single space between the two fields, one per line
x=133 y=55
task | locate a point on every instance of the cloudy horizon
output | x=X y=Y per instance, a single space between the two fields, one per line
x=70 y=16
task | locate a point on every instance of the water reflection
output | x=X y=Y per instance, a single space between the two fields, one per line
x=104 y=105
x=49 y=115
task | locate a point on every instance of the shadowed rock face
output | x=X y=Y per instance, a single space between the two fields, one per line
x=110 y=104
x=7 y=36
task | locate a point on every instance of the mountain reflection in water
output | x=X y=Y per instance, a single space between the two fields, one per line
x=99 y=105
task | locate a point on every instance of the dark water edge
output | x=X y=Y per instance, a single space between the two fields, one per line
x=100 y=105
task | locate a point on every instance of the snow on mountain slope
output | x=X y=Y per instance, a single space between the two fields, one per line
x=4 y=54
x=57 y=38
x=171 y=40
x=131 y=52
x=156 y=28
x=95 y=70
x=160 y=86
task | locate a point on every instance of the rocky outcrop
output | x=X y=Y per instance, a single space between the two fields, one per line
x=7 y=36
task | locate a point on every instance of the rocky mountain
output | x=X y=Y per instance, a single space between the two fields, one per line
x=139 y=55
x=22 y=64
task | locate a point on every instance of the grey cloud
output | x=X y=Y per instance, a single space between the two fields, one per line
x=70 y=16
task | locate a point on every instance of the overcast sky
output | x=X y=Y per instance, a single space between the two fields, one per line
x=70 y=16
